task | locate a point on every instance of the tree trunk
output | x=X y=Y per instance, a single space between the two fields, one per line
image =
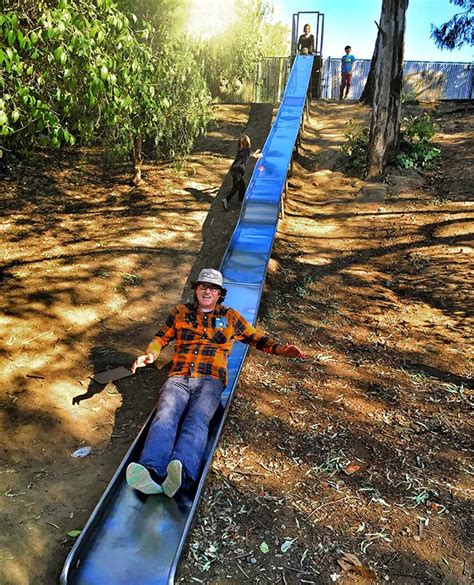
x=137 y=160
x=367 y=96
x=384 y=135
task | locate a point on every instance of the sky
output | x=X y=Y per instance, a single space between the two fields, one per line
x=351 y=22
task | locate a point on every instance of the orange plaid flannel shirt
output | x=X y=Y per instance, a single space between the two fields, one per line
x=204 y=340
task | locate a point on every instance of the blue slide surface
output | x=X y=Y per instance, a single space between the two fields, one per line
x=132 y=539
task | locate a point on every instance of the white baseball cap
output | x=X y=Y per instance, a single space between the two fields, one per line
x=210 y=276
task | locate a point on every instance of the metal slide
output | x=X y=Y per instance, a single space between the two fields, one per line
x=132 y=539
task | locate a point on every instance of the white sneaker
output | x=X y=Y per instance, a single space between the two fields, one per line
x=174 y=479
x=139 y=478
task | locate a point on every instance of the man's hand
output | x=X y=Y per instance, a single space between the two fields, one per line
x=291 y=351
x=142 y=361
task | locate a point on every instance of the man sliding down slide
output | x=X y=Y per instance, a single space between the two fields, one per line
x=205 y=331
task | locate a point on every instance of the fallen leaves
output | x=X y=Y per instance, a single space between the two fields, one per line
x=350 y=563
x=285 y=547
x=74 y=533
x=351 y=469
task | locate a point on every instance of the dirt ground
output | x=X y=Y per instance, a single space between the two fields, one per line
x=352 y=466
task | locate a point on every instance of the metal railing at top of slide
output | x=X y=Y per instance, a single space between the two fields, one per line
x=135 y=539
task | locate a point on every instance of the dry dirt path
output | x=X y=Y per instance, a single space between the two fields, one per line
x=361 y=449
x=364 y=448
x=89 y=268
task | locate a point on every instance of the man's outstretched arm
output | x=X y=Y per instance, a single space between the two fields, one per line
x=290 y=351
x=249 y=334
x=164 y=335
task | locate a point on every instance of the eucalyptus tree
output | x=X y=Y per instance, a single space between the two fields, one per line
x=384 y=137
x=458 y=30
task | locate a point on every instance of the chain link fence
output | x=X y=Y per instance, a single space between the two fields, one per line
x=267 y=87
x=424 y=81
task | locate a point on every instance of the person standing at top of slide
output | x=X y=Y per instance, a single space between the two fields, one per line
x=306 y=41
x=347 y=65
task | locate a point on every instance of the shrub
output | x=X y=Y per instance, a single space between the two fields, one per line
x=409 y=97
x=357 y=136
x=416 y=150
x=84 y=70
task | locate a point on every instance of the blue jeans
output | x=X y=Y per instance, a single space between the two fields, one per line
x=197 y=399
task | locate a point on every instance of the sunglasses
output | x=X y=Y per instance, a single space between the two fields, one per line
x=211 y=287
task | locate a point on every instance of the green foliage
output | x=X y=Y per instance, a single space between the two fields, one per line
x=416 y=150
x=458 y=31
x=74 y=533
x=132 y=279
x=409 y=97
x=419 y=129
x=231 y=57
x=227 y=56
x=83 y=69
x=302 y=289
x=356 y=145
x=276 y=40
x=118 y=72
x=188 y=111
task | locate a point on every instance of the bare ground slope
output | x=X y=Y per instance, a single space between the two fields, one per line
x=362 y=449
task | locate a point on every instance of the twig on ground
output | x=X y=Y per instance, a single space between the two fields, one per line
x=300 y=571
x=326 y=504
x=242 y=571
x=249 y=473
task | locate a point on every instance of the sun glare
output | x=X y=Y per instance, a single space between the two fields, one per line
x=207 y=18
